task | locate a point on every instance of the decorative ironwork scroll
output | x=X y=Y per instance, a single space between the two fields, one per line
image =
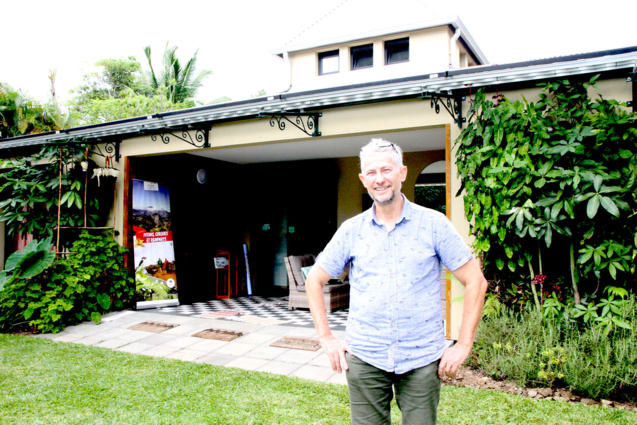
x=111 y=150
x=308 y=123
x=200 y=139
x=452 y=103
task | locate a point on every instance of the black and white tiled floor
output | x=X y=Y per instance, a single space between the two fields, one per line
x=271 y=308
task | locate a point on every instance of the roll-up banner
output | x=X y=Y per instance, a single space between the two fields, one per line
x=154 y=253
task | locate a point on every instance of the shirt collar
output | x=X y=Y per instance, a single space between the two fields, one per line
x=405 y=214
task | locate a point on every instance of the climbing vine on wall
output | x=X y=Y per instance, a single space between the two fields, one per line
x=550 y=186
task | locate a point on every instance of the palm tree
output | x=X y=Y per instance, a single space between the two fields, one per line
x=180 y=82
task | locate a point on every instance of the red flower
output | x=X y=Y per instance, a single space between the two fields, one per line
x=539 y=279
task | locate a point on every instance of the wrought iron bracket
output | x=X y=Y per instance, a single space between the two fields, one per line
x=200 y=139
x=452 y=103
x=111 y=149
x=308 y=123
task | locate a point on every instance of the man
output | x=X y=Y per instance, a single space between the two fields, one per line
x=395 y=340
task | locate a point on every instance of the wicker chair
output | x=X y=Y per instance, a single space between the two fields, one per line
x=336 y=295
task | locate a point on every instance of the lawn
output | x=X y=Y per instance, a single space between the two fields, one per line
x=46 y=382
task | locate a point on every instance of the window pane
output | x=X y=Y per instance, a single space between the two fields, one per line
x=362 y=56
x=397 y=51
x=328 y=62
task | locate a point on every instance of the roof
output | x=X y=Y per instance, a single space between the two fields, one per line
x=461 y=80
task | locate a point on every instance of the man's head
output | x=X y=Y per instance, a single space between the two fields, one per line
x=382 y=170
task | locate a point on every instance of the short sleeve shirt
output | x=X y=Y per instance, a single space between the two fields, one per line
x=395 y=314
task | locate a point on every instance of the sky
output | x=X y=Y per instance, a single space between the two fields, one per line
x=235 y=38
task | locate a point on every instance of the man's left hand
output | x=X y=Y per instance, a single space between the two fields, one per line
x=452 y=358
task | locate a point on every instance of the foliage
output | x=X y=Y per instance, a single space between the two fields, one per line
x=180 y=82
x=90 y=282
x=21 y=115
x=128 y=105
x=115 y=77
x=561 y=350
x=32 y=260
x=119 y=91
x=431 y=196
x=30 y=190
x=556 y=180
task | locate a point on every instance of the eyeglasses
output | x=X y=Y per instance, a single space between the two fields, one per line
x=386 y=146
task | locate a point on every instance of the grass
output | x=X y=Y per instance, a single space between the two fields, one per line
x=46 y=382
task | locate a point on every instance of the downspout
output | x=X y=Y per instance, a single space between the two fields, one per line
x=286 y=59
x=453 y=52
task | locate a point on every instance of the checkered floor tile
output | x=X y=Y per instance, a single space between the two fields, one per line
x=271 y=308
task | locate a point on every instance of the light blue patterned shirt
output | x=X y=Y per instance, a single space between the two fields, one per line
x=395 y=313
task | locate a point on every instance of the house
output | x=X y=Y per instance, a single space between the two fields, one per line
x=279 y=173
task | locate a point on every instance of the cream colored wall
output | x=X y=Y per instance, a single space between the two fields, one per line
x=428 y=53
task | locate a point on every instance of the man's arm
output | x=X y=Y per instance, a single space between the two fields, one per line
x=334 y=348
x=475 y=284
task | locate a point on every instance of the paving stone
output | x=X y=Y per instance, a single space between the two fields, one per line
x=247 y=363
x=68 y=337
x=266 y=352
x=298 y=356
x=135 y=347
x=215 y=359
x=279 y=368
x=186 y=354
x=315 y=373
x=112 y=343
x=160 y=351
x=338 y=378
x=236 y=348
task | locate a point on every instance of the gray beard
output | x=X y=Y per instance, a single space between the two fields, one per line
x=387 y=201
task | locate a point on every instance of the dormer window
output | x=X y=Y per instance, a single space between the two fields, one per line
x=328 y=62
x=362 y=56
x=397 y=51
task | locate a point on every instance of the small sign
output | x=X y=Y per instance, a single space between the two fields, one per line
x=265 y=227
x=290 y=229
x=151 y=186
x=221 y=262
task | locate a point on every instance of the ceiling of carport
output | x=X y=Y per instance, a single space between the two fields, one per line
x=324 y=147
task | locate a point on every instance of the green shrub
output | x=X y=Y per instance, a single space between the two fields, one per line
x=585 y=357
x=89 y=283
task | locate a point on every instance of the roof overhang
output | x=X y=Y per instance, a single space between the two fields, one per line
x=448 y=82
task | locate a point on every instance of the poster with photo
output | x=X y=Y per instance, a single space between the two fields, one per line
x=155 y=272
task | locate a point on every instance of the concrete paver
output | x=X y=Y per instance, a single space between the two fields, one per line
x=251 y=351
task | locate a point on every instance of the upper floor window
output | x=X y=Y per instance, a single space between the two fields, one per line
x=362 y=56
x=397 y=51
x=328 y=62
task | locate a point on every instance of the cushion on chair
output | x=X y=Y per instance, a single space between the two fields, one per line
x=297 y=262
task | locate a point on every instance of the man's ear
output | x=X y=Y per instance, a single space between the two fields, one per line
x=360 y=176
x=403 y=173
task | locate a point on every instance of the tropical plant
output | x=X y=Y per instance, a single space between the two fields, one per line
x=20 y=115
x=551 y=186
x=32 y=188
x=180 y=81
x=36 y=257
x=90 y=282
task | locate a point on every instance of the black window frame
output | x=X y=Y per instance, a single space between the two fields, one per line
x=395 y=50
x=361 y=53
x=328 y=54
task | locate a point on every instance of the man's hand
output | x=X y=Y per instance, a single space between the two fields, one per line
x=335 y=350
x=452 y=358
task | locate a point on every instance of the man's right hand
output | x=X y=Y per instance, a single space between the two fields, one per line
x=335 y=350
